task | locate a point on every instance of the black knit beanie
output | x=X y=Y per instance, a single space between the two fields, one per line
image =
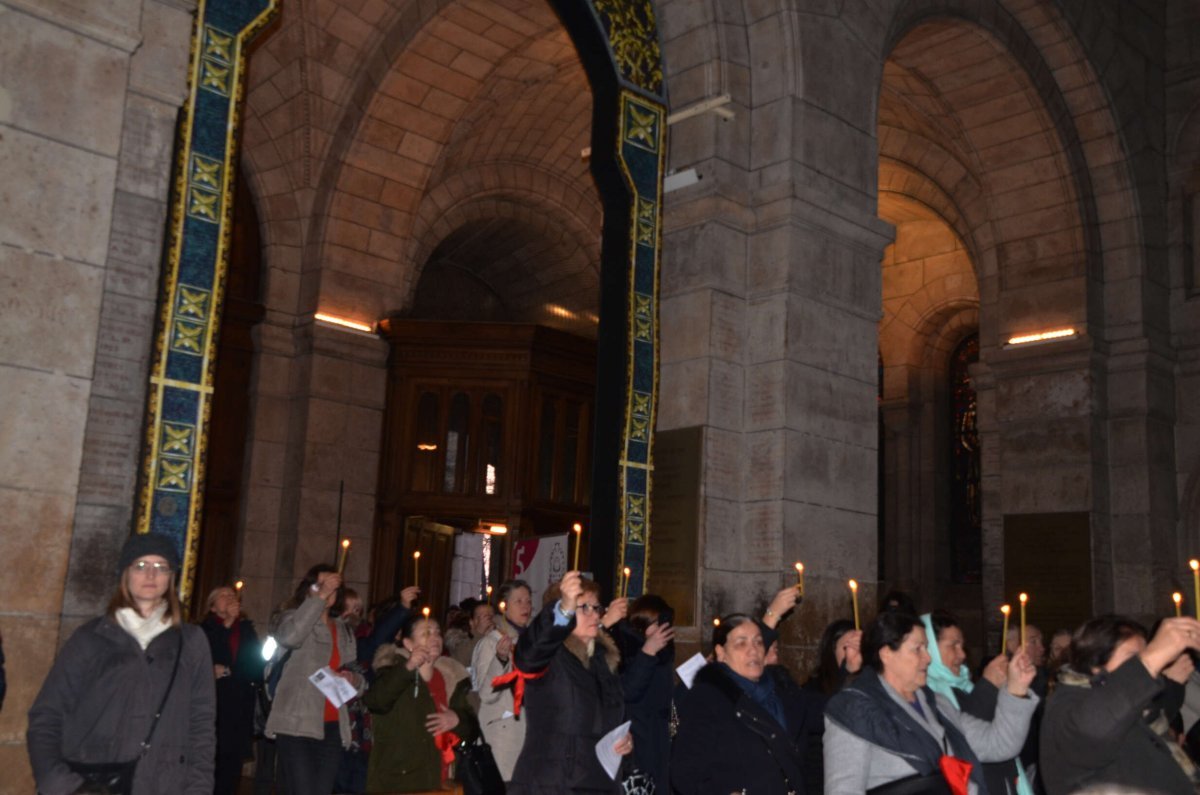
x=142 y=544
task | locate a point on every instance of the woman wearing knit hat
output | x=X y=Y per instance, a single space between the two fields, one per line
x=129 y=706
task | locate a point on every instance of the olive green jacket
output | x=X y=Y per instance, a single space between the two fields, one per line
x=404 y=757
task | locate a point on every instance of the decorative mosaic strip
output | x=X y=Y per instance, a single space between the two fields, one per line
x=641 y=153
x=181 y=376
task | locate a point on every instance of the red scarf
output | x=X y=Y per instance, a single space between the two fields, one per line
x=518 y=678
x=445 y=741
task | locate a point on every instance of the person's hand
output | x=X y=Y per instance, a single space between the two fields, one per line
x=1180 y=670
x=572 y=587
x=1174 y=636
x=1020 y=673
x=617 y=609
x=996 y=671
x=327 y=584
x=624 y=745
x=417 y=658
x=657 y=637
x=784 y=601
x=409 y=595
x=221 y=671
x=851 y=645
x=504 y=648
x=441 y=721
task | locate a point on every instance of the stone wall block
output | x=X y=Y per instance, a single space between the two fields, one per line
x=828 y=338
x=135 y=246
x=831 y=406
x=36 y=542
x=771 y=131
x=1063 y=443
x=159 y=66
x=686 y=383
x=41 y=298
x=724 y=464
x=726 y=392
x=829 y=472
x=100 y=530
x=147 y=146
x=1047 y=489
x=767 y=323
x=1061 y=394
x=685 y=322
x=764 y=466
x=42 y=450
x=78 y=101
x=766 y=403
x=110 y=448
x=762 y=533
x=54 y=198
x=832 y=543
x=707 y=254
x=720 y=525
x=30 y=643
x=836 y=75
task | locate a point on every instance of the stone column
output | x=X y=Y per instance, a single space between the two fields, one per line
x=90 y=93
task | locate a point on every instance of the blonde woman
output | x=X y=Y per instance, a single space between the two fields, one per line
x=95 y=717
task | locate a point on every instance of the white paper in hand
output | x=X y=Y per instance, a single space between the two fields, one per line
x=335 y=688
x=687 y=672
x=609 y=759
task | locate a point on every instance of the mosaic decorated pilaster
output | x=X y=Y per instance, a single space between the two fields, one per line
x=618 y=43
x=193 y=279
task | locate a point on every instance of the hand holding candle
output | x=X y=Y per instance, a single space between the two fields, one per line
x=578 y=528
x=800 y=577
x=1177 y=598
x=1005 y=609
x=854 y=599
x=345 y=553
x=1024 y=598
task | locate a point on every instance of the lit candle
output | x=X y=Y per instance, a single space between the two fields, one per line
x=1005 y=609
x=1023 y=598
x=578 y=528
x=1177 y=598
x=1195 y=564
x=854 y=598
x=417 y=567
x=489 y=593
x=425 y=611
x=345 y=553
x=800 y=577
x=716 y=623
x=502 y=606
x=237 y=586
x=625 y=582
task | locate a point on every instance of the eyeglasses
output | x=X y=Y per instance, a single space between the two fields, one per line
x=599 y=610
x=144 y=566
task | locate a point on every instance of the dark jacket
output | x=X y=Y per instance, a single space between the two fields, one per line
x=1099 y=734
x=569 y=708
x=729 y=743
x=236 y=694
x=404 y=757
x=98 y=701
x=648 y=683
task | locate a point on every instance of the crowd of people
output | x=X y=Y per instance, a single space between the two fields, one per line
x=138 y=701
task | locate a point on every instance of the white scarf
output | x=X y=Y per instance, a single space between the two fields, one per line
x=145 y=629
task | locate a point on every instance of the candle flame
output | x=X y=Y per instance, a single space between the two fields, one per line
x=425 y=612
x=417 y=555
x=238 y=585
x=489 y=590
x=716 y=622
x=577 y=527
x=626 y=571
x=1177 y=597
x=1195 y=564
x=854 y=585
x=1024 y=598
x=346 y=544
x=502 y=605
x=1005 y=609
x=799 y=566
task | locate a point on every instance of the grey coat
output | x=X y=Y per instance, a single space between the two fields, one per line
x=854 y=765
x=98 y=701
x=503 y=732
x=298 y=709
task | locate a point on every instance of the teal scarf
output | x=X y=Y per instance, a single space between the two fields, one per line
x=942 y=680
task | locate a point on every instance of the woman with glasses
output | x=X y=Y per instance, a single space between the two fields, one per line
x=98 y=705
x=565 y=671
x=492 y=657
x=309 y=731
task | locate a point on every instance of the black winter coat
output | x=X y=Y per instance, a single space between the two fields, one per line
x=98 y=701
x=236 y=693
x=728 y=743
x=1100 y=735
x=649 y=684
x=569 y=708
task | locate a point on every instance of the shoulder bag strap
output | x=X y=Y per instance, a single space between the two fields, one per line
x=162 y=704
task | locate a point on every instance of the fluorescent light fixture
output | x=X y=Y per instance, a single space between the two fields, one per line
x=343 y=323
x=715 y=104
x=680 y=179
x=1041 y=336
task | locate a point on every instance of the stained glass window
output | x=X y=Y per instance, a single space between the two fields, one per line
x=966 y=516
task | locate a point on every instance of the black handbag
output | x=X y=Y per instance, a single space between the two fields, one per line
x=475 y=768
x=116 y=778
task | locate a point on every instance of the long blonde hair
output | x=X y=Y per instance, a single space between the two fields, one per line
x=122 y=598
